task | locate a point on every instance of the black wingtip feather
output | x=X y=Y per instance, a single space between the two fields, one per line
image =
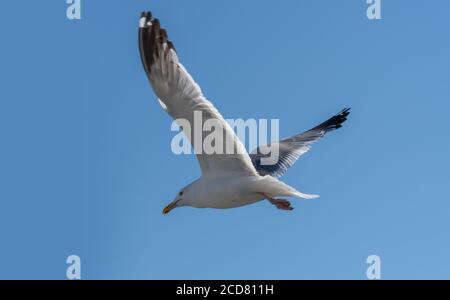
x=336 y=121
x=170 y=44
x=144 y=33
x=163 y=35
x=150 y=35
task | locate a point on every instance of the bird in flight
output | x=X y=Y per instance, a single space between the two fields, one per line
x=227 y=180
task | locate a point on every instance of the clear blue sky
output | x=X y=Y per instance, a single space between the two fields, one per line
x=86 y=164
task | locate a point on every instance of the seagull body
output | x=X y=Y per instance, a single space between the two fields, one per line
x=230 y=192
x=227 y=180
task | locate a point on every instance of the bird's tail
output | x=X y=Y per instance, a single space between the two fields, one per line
x=306 y=196
x=274 y=187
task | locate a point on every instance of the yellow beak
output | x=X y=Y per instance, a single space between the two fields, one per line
x=169 y=207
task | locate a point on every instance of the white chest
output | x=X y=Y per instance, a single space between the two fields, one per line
x=226 y=192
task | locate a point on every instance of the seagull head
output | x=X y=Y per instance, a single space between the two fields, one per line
x=182 y=199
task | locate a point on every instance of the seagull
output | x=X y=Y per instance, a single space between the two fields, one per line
x=227 y=180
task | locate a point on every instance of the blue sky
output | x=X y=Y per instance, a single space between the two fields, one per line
x=86 y=164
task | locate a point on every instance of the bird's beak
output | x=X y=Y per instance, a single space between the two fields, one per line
x=169 y=207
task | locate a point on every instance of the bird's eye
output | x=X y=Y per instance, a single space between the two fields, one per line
x=181 y=193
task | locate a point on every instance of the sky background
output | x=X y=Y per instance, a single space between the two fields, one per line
x=86 y=165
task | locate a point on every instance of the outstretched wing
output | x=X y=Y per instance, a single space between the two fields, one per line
x=290 y=149
x=182 y=98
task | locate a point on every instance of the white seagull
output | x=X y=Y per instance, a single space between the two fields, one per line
x=227 y=180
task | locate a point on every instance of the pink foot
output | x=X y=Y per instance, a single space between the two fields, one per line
x=281 y=204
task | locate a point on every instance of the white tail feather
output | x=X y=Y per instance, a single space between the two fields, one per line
x=275 y=187
x=306 y=196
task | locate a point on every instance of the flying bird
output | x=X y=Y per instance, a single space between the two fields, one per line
x=227 y=180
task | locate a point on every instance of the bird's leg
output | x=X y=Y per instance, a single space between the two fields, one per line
x=280 y=203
